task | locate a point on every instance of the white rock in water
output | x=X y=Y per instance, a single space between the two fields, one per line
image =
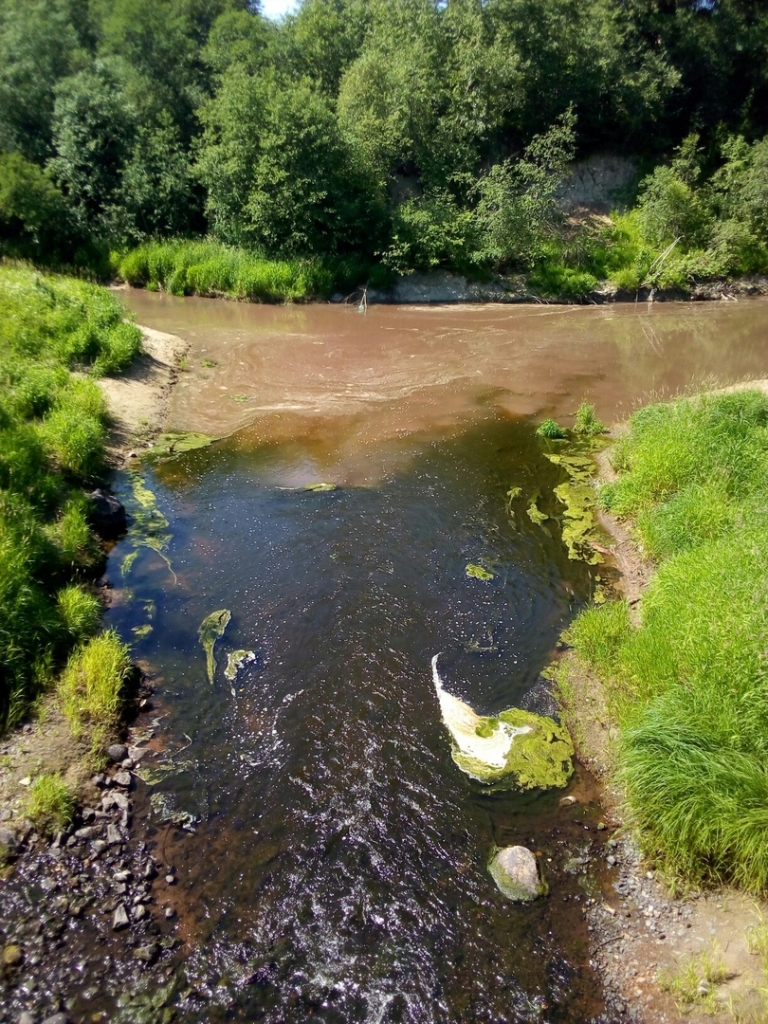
x=515 y=871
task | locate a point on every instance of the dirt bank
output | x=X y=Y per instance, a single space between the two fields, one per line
x=645 y=933
x=138 y=399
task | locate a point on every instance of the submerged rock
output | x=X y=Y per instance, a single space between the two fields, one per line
x=212 y=629
x=515 y=871
x=107 y=514
x=516 y=748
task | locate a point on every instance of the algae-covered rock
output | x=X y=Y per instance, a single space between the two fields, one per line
x=212 y=629
x=236 y=660
x=515 y=871
x=515 y=749
x=478 y=572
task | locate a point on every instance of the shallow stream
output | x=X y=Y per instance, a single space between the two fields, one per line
x=337 y=871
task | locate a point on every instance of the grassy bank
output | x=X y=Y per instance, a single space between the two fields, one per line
x=56 y=334
x=688 y=685
x=205 y=267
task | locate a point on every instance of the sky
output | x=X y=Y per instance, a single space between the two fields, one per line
x=276 y=8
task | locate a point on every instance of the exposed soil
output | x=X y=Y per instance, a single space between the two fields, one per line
x=642 y=929
x=138 y=400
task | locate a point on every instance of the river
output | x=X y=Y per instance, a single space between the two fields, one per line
x=337 y=869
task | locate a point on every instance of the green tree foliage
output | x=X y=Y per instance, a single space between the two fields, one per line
x=33 y=212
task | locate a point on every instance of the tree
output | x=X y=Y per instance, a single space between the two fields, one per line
x=34 y=218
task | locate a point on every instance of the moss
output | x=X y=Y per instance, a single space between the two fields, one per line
x=541 y=757
x=477 y=572
x=212 y=629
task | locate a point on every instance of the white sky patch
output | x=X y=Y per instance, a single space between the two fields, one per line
x=275 y=9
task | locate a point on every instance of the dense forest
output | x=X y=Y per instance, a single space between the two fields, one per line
x=382 y=136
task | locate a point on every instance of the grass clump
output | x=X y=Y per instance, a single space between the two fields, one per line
x=587 y=422
x=50 y=805
x=689 y=684
x=205 y=267
x=91 y=687
x=693 y=982
x=551 y=429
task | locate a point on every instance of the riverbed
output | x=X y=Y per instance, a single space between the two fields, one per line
x=334 y=861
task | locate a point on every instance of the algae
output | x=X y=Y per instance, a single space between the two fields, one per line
x=580 y=525
x=514 y=749
x=149 y=527
x=235 y=661
x=141 y=631
x=535 y=514
x=164 y=809
x=176 y=443
x=212 y=629
x=478 y=572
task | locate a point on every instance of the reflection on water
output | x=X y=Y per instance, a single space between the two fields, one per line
x=339 y=868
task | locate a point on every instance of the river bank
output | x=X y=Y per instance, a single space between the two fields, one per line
x=671 y=952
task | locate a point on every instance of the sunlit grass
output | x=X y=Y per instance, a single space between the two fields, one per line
x=689 y=684
x=50 y=805
x=91 y=689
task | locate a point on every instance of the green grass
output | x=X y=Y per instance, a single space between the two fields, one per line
x=551 y=429
x=689 y=684
x=205 y=267
x=91 y=689
x=56 y=334
x=587 y=422
x=50 y=805
x=692 y=983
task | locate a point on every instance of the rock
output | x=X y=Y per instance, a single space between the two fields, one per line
x=150 y=871
x=123 y=779
x=120 y=918
x=568 y=801
x=98 y=846
x=121 y=800
x=99 y=781
x=122 y=876
x=6 y=814
x=170 y=879
x=26 y=1018
x=147 y=953
x=13 y=957
x=515 y=871
x=113 y=835
x=87 y=833
x=170 y=913
x=117 y=752
x=58 y=1018
x=139 y=912
x=107 y=514
x=8 y=844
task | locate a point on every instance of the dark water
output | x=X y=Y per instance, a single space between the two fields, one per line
x=340 y=854
x=338 y=868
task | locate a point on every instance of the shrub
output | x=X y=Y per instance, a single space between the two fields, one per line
x=50 y=805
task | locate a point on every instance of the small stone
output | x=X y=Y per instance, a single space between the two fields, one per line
x=150 y=871
x=13 y=956
x=122 y=876
x=25 y=1017
x=121 y=800
x=568 y=801
x=57 y=1018
x=515 y=871
x=170 y=913
x=86 y=833
x=170 y=879
x=147 y=953
x=120 y=918
x=26 y=781
x=122 y=779
x=98 y=846
x=113 y=835
x=6 y=814
x=117 y=752
x=139 y=912
x=611 y=860
x=99 y=781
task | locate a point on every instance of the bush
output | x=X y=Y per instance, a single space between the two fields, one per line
x=50 y=805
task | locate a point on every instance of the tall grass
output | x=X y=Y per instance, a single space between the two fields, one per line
x=51 y=804
x=689 y=685
x=205 y=267
x=52 y=434
x=91 y=687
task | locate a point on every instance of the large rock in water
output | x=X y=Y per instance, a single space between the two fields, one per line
x=516 y=872
x=107 y=514
x=514 y=749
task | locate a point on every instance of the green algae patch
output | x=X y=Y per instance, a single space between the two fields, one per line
x=141 y=631
x=212 y=629
x=580 y=525
x=540 y=754
x=235 y=661
x=478 y=572
x=149 y=528
x=167 y=446
x=535 y=514
x=127 y=563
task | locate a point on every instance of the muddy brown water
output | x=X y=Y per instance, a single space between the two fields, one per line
x=338 y=867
